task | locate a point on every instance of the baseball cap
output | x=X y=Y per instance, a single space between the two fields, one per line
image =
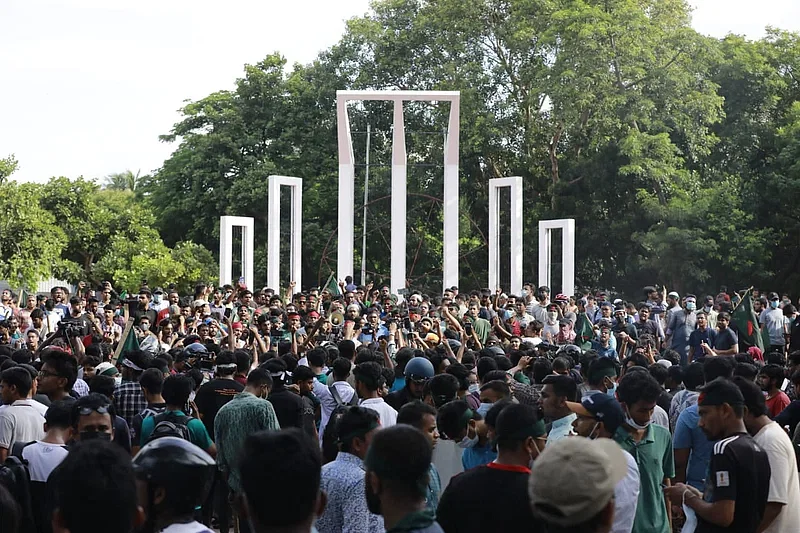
x=602 y=408
x=673 y=294
x=561 y=298
x=106 y=369
x=158 y=290
x=196 y=348
x=555 y=497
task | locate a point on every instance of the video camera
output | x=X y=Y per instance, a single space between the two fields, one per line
x=70 y=328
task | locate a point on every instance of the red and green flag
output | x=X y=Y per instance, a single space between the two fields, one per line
x=747 y=324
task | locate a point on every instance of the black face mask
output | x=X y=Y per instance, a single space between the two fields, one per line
x=92 y=435
x=373 y=501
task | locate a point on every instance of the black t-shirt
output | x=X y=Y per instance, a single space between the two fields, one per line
x=790 y=416
x=488 y=498
x=212 y=396
x=398 y=399
x=726 y=339
x=739 y=470
x=289 y=408
x=149 y=313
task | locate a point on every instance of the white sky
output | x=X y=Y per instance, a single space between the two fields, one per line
x=86 y=86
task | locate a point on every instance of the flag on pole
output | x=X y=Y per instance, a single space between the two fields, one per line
x=747 y=324
x=127 y=343
x=332 y=286
x=584 y=333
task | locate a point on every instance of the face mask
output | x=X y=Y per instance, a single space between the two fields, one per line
x=592 y=436
x=92 y=435
x=467 y=442
x=612 y=391
x=690 y=306
x=118 y=380
x=474 y=388
x=774 y=304
x=524 y=293
x=157 y=298
x=484 y=408
x=707 y=309
x=629 y=420
x=144 y=327
x=552 y=316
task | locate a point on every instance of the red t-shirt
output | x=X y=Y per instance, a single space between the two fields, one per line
x=777 y=403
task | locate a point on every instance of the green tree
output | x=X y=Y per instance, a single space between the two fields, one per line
x=123 y=181
x=31 y=247
x=8 y=165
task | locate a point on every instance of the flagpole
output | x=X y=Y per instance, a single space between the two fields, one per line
x=742 y=299
x=122 y=339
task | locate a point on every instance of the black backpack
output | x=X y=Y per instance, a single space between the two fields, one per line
x=338 y=399
x=170 y=425
x=15 y=477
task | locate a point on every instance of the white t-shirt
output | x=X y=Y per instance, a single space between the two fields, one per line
x=39 y=406
x=626 y=498
x=386 y=413
x=43 y=458
x=20 y=422
x=784 y=486
x=191 y=527
x=660 y=417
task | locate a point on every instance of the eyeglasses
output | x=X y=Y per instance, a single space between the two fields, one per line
x=84 y=411
x=43 y=374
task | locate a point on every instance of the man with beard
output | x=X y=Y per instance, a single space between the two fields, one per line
x=396 y=467
x=737 y=484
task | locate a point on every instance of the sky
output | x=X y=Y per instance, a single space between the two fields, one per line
x=87 y=86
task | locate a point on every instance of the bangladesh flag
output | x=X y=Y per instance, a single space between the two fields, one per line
x=747 y=324
x=584 y=333
x=331 y=285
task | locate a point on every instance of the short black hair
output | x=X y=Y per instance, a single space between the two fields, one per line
x=451 y=418
x=720 y=391
x=773 y=372
x=753 y=396
x=302 y=373
x=693 y=376
x=19 y=378
x=243 y=360
x=401 y=457
x=541 y=369
x=461 y=373
x=484 y=366
x=59 y=415
x=369 y=374
x=316 y=357
x=152 y=380
x=413 y=413
x=563 y=386
x=355 y=423
x=258 y=377
x=638 y=386
x=341 y=368
x=63 y=364
x=718 y=367
x=291 y=456
x=499 y=386
x=93 y=401
x=104 y=385
x=444 y=388
x=746 y=370
x=495 y=410
x=101 y=469
x=638 y=359
x=513 y=425
x=177 y=389
x=659 y=373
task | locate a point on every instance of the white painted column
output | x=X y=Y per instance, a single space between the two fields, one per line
x=225 y=251
x=450 y=199
x=568 y=258
x=226 y=225
x=399 y=214
x=567 y=227
x=274 y=235
x=514 y=185
x=296 y=249
x=516 y=236
x=344 y=256
x=545 y=246
x=494 y=235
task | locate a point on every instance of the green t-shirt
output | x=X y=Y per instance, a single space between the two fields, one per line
x=197 y=431
x=653 y=455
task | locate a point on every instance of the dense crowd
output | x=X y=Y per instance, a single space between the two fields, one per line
x=351 y=409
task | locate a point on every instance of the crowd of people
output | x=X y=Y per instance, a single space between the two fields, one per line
x=351 y=409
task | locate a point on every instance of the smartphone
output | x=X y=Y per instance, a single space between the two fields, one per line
x=228 y=313
x=407 y=324
x=468 y=328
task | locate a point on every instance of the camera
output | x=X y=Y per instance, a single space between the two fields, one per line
x=70 y=327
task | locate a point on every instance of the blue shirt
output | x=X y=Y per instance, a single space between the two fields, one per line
x=477 y=456
x=689 y=435
x=434 y=489
x=561 y=428
x=346 y=511
x=604 y=352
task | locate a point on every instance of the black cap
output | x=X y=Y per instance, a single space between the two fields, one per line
x=162 y=455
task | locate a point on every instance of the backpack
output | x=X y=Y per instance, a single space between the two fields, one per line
x=338 y=399
x=15 y=477
x=170 y=425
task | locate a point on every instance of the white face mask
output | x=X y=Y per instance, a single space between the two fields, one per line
x=157 y=298
x=629 y=420
x=552 y=316
x=118 y=380
x=474 y=388
x=468 y=442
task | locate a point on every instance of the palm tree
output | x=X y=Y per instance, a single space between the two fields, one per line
x=122 y=181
